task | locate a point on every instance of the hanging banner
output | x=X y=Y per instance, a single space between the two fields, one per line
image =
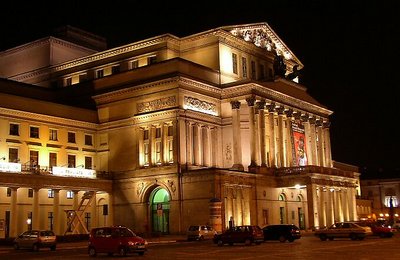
x=299 y=144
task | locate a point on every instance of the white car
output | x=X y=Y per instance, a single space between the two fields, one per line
x=343 y=230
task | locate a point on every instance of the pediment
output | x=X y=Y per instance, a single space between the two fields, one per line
x=262 y=36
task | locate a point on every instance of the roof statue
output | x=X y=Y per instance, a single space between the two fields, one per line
x=279 y=66
x=295 y=73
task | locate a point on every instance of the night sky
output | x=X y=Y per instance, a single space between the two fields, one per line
x=350 y=51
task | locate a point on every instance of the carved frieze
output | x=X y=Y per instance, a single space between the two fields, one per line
x=200 y=105
x=157 y=104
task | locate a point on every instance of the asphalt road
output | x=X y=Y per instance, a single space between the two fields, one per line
x=308 y=247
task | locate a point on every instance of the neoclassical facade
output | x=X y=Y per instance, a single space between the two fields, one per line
x=164 y=133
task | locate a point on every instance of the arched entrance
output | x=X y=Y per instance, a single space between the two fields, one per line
x=159 y=207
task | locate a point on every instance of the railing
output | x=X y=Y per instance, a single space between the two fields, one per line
x=312 y=169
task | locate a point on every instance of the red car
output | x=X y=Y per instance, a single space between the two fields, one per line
x=379 y=229
x=240 y=234
x=112 y=240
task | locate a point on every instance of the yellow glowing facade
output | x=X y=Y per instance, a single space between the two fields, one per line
x=187 y=130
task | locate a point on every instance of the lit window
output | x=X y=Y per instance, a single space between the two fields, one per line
x=53 y=135
x=88 y=162
x=14 y=129
x=71 y=161
x=146 y=153
x=158 y=152
x=68 y=82
x=52 y=160
x=234 y=63
x=134 y=64
x=391 y=200
x=50 y=193
x=70 y=194
x=244 y=67
x=13 y=155
x=34 y=132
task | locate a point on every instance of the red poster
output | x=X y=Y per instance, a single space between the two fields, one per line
x=299 y=144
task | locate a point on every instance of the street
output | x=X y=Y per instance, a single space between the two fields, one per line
x=308 y=247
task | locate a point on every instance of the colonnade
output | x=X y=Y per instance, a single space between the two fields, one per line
x=327 y=205
x=271 y=141
x=38 y=220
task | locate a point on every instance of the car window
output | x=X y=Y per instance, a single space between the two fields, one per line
x=193 y=228
x=34 y=234
x=100 y=233
x=125 y=232
x=46 y=233
x=203 y=228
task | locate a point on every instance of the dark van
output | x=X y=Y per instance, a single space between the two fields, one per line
x=281 y=232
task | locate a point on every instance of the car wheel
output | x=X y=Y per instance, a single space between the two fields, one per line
x=53 y=248
x=382 y=235
x=92 y=252
x=331 y=238
x=141 y=253
x=248 y=242
x=16 y=246
x=323 y=237
x=353 y=237
x=122 y=251
x=291 y=239
x=282 y=239
x=201 y=238
x=220 y=243
x=35 y=247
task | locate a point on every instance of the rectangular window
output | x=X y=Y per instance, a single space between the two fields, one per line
x=71 y=137
x=8 y=192
x=170 y=151
x=146 y=153
x=88 y=162
x=52 y=160
x=34 y=132
x=253 y=69
x=170 y=130
x=30 y=193
x=89 y=140
x=71 y=161
x=53 y=135
x=146 y=134
x=244 y=67
x=34 y=158
x=234 y=63
x=68 y=82
x=14 y=129
x=99 y=73
x=151 y=60
x=13 y=155
x=50 y=220
x=87 y=220
x=115 y=69
x=158 y=132
x=135 y=64
x=158 y=152
x=70 y=194
x=261 y=70
x=50 y=193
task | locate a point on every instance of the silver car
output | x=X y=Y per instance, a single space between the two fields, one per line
x=36 y=239
x=200 y=232
x=343 y=230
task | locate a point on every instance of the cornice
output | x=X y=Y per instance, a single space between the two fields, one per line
x=191 y=84
x=155 y=116
x=11 y=113
x=251 y=88
x=198 y=116
x=23 y=47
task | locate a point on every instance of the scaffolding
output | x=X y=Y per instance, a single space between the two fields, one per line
x=75 y=217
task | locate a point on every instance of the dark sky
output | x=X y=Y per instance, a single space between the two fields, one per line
x=350 y=50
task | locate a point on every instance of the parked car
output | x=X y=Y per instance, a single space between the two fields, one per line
x=343 y=230
x=112 y=240
x=240 y=234
x=281 y=232
x=200 y=232
x=36 y=239
x=378 y=228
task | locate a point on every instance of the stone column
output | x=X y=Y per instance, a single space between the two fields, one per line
x=320 y=150
x=272 y=140
x=189 y=141
x=313 y=142
x=328 y=153
x=257 y=135
x=196 y=144
x=341 y=206
x=14 y=213
x=237 y=141
x=56 y=213
x=353 y=207
x=206 y=146
x=323 y=206
x=261 y=127
x=309 y=147
x=312 y=206
x=346 y=213
x=289 y=146
x=250 y=102
x=281 y=144
x=35 y=209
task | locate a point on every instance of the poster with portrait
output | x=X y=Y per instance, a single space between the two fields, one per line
x=299 y=144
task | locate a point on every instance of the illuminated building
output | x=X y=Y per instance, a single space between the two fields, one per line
x=207 y=128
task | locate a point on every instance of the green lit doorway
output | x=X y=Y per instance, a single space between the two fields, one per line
x=160 y=206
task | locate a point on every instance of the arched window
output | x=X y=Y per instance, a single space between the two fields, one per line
x=299 y=198
x=282 y=197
